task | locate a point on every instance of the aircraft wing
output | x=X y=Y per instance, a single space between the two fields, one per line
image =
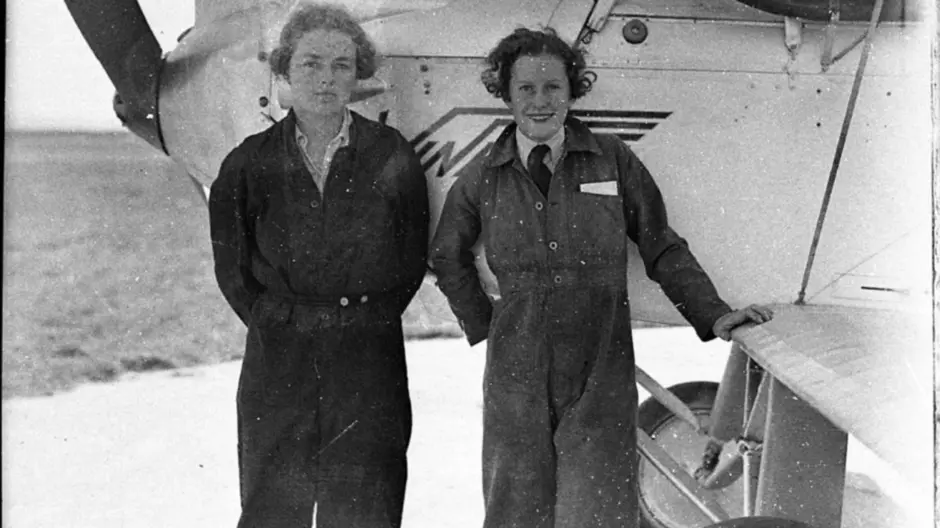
x=869 y=372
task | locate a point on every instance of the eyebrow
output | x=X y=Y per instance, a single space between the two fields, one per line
x=316 y=56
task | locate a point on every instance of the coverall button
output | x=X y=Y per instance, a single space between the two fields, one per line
x=324 y=317
x=343 y=301
x=364 y=299
x=538 y=206
x=553 y=245
x=557 y=279
x=314 y=204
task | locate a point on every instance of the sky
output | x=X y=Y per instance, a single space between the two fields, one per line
x=53 y=80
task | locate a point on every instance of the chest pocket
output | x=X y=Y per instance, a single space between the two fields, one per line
x=513 y=215
x=272 y=222
x=596 y=226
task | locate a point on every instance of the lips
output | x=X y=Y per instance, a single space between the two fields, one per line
x=540 y=118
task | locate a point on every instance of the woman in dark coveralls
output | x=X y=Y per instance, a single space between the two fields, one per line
x=319 y=231
x=560 y=400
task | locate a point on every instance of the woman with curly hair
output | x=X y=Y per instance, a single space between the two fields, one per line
x=554 y=206
x=319 y=232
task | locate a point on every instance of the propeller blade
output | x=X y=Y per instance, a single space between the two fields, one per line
x=120 y=37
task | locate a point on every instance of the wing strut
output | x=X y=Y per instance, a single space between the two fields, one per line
x=862 y=61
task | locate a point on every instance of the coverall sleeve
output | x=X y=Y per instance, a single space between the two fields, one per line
x=665 y=254
x=413 y=225
x=452 y=258
x=228 y=224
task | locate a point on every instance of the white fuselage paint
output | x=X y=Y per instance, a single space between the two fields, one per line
x=742 y=157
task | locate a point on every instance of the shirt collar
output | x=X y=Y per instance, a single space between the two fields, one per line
x=577 y=138
x=341 y=139
x=555 y=144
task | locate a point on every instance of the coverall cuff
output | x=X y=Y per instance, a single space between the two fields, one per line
x=243 y=308
x=707 y=333
x=475 y=332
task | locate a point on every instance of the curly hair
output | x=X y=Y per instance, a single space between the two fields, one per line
x=524 y=41
x=320 y=16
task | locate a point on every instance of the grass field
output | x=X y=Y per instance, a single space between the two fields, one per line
x=107 y=266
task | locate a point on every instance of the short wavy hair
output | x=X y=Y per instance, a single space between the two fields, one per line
x=529 y=42
x=320 y=16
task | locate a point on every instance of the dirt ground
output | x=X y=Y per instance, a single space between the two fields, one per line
x=158 y=449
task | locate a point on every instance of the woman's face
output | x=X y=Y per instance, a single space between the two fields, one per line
x=539 y=95
x=322 y=72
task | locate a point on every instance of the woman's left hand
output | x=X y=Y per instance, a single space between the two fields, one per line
x=755 y=313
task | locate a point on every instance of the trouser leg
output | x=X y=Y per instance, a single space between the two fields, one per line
x=518 y=461
x=594 y=399
x=597 y=462
x=278 y=483
x=365 y=431
x=518 y=454
x=338 y=439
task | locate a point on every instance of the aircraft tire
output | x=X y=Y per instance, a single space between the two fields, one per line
x=653 y=417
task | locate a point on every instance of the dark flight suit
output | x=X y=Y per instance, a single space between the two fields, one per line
x=321 y=281
x=560 y=401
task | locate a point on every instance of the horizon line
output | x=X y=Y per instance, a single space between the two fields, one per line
x=65 y=130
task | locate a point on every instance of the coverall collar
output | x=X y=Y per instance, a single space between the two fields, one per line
x=578 y=138
x=556 y=145
x=341 y=139
x=360 y=135
x=350 y=121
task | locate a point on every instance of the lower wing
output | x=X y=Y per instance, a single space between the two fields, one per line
x=869 y=372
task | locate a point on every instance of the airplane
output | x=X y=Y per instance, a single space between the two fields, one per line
x=791 y=140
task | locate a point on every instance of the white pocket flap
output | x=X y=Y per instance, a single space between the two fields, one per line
x=607 y=188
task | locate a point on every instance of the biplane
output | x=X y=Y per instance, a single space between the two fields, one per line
x=806 y=124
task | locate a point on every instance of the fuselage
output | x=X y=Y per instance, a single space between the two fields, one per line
x=729 y=107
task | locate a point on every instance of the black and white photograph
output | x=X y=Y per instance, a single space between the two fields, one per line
x=470 y=264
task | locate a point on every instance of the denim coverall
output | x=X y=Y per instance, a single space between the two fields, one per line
x=560 y=400
x=321 y=281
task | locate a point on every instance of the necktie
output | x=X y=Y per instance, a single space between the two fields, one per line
x=537 y=168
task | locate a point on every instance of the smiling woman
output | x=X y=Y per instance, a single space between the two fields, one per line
x=560 y=396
